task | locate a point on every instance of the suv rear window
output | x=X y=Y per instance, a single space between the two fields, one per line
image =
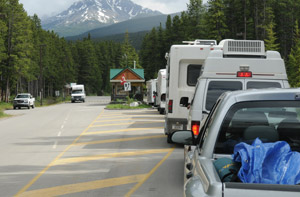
x=193 y=72
x=216 y=88
x=261 y=84
x=270 y=121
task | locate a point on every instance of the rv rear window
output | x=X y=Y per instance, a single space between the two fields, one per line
x=216 y=88
x=193 y=72
x=262 y=84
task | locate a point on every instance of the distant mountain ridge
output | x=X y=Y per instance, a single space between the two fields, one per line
x=132 y=26
x=85 y=15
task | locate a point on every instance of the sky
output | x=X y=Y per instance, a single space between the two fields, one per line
x=51 y=7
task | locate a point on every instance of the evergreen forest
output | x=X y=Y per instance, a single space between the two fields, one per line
x=41 y=62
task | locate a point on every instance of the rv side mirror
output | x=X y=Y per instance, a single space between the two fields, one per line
x=184 y=101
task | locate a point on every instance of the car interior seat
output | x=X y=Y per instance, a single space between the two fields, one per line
x=289 y=129
x=264 y=133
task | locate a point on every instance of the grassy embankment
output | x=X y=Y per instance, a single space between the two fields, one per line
x=4 y=106
x=46 y=102
x=120 y=104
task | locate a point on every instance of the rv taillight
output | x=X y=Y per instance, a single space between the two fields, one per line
x=244 y=74
x=170 y=106
x=195 y=127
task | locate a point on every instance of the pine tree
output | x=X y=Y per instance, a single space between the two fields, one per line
x=293 y=64
x=130 y=57
x=216 y=20
x=270 y=41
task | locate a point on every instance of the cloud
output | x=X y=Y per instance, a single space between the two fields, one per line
x=51 y=7
x=164 y=6
x=45 y=7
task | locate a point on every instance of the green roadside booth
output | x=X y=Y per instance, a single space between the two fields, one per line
x=127 y=82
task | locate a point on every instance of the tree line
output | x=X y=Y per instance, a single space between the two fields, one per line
x=40 y=62
x=274 y=21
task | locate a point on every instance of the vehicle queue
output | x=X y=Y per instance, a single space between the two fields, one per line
x=197 y=76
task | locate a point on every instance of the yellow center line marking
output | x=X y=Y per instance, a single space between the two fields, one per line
x=119 y=140
x=108 y=155
x=137 y=186
x=121 y=130
x=104 y=125
x=80 y=187
x=57 y=158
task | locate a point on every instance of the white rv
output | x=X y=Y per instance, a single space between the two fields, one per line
x=240 y=65
x=183 y=69
x=151 y=91
x=78 y=93
x=161 y=91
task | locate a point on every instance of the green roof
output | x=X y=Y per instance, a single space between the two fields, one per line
x=115 y=72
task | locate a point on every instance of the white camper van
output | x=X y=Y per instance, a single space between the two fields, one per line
x=78 y=93
x=161 y=91
x=240 y=65
x=183 y=69
x=151 y=91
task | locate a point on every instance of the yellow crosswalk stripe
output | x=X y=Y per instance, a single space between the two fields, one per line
x=108 y=155
x=81 y=187
x=119 y=140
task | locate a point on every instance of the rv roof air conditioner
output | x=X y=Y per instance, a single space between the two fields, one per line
x=243 y=47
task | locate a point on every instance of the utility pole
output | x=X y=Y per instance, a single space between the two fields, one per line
x=41 y=74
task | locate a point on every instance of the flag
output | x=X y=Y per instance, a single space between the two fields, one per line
x=123 y=80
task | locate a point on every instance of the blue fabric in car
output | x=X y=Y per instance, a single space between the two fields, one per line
x=269 y=163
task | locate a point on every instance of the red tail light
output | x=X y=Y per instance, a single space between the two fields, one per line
x=195 y=127
x=244 y=74
x=170 y=106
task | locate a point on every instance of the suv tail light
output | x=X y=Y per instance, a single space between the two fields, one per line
x=195 y=127
x=244 y=74
x=170 y=106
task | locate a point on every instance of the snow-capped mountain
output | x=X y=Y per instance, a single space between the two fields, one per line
x=85 y=15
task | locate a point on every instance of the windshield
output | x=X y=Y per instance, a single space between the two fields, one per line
x=76 y=91
x=22 y=96
x=268 y=120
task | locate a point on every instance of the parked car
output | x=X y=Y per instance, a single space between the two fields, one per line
x=271 y=115
x=24 y=100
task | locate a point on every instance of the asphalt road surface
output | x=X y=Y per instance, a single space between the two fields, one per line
x=83 y=149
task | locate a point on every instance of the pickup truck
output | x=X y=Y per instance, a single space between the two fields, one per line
x=240 y=116
x=24 y=100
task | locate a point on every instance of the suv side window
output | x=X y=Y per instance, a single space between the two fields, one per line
x=193 y=72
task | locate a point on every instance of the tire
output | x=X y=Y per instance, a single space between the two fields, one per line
x=15 y=107
x=169 y=139
x=161 y=110
x=73 y=101
x=28 y=106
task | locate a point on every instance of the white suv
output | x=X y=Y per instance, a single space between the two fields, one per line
x=23 y=100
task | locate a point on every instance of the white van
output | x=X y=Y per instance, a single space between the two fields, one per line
x=78 y=93
x=183 y=69
x=240 y=65
x=161 y=91
x=151 y=90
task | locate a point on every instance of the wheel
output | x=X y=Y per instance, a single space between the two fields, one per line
x=161 y=111
x=169 y=139
x=15 y=107
x=73 y=101
x=28 y=106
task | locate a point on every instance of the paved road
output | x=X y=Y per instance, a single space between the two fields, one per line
x=82 y=149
